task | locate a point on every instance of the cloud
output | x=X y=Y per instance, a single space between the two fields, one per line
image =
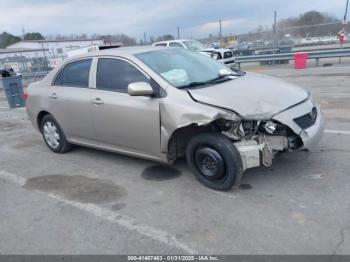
x=196 y=18
x=89 y=16
x=210 y=26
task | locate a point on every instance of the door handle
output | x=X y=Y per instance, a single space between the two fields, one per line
x=53 y=96
x=97 y=101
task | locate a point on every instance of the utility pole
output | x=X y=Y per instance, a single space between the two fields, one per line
x=274 y=32
x=144 y=38
x=344 y=24
x=220 y=33
x=178 y=33
x=45 y=59
x=23 y=32
x=346 y=13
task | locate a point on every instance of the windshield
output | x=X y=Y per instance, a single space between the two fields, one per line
x=194 y=45
x=183 y=68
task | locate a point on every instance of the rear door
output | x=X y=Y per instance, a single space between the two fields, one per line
x=128 y=122
x=70 y=99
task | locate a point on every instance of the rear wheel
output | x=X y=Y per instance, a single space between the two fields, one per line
x=53 y=135
x=214 y=160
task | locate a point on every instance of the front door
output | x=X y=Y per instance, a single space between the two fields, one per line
x=128 y=122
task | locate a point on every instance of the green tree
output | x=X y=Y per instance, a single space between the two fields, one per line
x=125 y=40
x=33 y=36
x=7 y=39
x=300 y=24
x=165 y=37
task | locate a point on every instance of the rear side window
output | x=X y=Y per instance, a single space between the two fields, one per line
x=160 y=44
x=75 y=74
x=116 y=75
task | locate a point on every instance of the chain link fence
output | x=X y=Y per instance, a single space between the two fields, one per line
x=25 y=65
x=310 y=37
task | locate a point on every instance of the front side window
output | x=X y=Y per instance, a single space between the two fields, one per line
x=75 y=74
x=116 y=75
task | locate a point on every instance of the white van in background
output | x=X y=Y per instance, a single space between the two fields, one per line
x=223 y=55
x=92 y=48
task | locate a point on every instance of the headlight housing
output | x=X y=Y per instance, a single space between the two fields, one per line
x=274 y=128
x=270 y=127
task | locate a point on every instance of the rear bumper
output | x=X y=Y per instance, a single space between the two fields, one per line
x=31 y=117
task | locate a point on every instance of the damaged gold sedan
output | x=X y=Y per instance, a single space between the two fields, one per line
x=166 y=103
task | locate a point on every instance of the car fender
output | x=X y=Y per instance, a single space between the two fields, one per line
x=180 y=110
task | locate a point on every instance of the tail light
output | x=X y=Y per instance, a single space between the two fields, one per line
x=25 y=95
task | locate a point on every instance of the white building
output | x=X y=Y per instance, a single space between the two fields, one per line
x=20 y=52
x=56 y=49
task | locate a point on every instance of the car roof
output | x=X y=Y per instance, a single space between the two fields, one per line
x=121 y=51
x=181 y=40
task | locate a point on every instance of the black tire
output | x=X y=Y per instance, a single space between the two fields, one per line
x=214 y=160
x=63 y=146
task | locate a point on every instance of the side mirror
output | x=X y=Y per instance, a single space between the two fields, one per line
x=140 y=89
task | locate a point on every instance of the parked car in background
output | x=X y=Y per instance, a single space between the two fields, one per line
x=167 y=103
x=241 y=49
x=223 y=55
x=214 y=45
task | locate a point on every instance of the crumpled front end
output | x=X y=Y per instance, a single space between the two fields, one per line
x=298 y=127
x=258 y=138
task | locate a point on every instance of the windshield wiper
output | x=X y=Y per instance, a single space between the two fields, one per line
x=193 y=84
x=219 y=79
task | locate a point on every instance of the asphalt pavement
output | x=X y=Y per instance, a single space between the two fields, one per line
x=94 y=202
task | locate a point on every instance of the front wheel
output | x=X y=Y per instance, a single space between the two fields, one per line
x=214 y=160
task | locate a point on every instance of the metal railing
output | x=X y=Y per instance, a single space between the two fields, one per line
x=317 y=55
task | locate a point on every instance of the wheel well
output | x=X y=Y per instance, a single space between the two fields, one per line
x=181 y=136
x=40 y=118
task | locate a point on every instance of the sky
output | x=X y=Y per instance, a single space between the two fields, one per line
x=195 y=18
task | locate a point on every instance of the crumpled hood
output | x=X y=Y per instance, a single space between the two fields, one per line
x=253 y=96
